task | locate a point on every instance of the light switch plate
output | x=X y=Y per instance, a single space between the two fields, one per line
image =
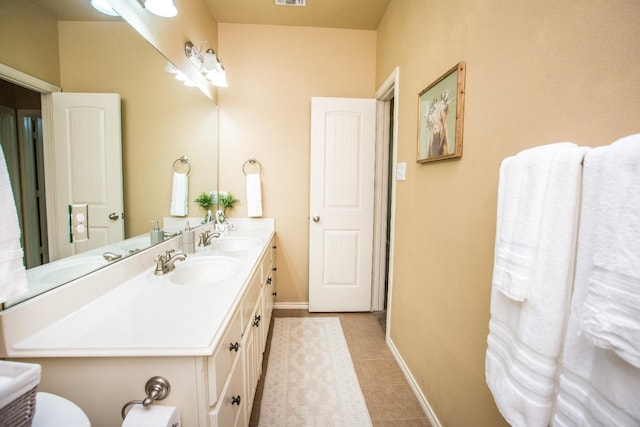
x=78 y=222
x=401 y=171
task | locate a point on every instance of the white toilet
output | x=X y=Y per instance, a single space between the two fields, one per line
x=56 y=411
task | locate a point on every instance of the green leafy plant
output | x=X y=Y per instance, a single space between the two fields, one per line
x=226 y=201
x=205 y=200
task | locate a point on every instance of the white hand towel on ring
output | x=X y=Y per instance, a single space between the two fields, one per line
x=179 y=194
x=254 y=195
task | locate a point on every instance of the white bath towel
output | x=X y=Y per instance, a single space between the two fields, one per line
x=13 y=276
x=612 y=306
x=180 y=194
x=595 y=386
x=254 y=195
x=525 y=337
x=525 y=187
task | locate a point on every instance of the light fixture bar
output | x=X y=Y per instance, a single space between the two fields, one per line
x=207 y=63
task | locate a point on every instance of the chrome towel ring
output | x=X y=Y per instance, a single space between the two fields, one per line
x=252 y=161
x=181 y=161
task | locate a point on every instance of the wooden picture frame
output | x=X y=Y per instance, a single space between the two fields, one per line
x=441 y=117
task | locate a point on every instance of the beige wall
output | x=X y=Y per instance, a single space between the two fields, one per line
x=537 y=72
x=265 y=112
x=29 y=40
x=161 y=118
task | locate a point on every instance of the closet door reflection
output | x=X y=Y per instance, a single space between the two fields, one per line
x=21 y=138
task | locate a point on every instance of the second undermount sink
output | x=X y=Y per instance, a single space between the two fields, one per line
x=205 y=270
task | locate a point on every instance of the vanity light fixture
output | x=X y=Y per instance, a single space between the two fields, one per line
x=207 y=62
x=164 y=8
x=104 y=7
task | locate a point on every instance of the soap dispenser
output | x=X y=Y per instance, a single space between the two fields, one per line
x=156 y=235
x=188 y=240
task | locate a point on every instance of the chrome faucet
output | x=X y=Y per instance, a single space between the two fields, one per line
x=111 y=256
x=166 y=263
x=206 y=237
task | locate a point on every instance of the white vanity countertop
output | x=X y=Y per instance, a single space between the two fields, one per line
x=149 y=315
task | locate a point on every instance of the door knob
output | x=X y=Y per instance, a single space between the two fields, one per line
x=316 y=218
x=113 y=216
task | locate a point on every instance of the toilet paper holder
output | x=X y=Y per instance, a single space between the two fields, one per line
x=156 y=388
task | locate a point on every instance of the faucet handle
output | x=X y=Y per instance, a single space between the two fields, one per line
x=203 y=238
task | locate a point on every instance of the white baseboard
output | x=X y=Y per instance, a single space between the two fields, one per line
x=291 y=305
x=433 y=419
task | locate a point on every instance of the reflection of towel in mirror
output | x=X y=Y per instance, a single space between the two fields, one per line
x=179 y=194
x=13 y=277
x=254 y=195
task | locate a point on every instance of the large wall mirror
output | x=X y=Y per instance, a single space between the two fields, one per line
x=69 y=45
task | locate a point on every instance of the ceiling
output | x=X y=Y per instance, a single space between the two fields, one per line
x=353 y=14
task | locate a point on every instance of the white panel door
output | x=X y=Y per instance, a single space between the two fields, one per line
x=341 y=204
x=88 y=167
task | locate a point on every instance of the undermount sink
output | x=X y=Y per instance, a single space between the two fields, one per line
x=205 y=270
x=234 y=244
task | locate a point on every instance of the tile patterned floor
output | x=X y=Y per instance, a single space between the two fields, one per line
x=389 y=398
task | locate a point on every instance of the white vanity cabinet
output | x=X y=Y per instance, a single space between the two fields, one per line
x=207 y=341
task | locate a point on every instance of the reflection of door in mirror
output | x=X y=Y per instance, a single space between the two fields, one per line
x=21 y=138
x=87 y=165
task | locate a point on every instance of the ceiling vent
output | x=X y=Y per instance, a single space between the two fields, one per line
x=291 y=2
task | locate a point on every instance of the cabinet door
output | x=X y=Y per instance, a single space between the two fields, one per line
x=268 y=300
x=231 y=410
x=220 y=363
x=253 y=354
x=249 y=301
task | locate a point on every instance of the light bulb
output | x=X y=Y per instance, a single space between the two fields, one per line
x=210 y=60
x=220 y=79
x=170 y=68
x=103 y=7
x=164 y=8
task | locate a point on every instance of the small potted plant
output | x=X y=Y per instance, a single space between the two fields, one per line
x=205 y=201
x=226 y=201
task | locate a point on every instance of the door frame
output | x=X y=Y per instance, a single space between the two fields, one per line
x=45 y=89
x=388 y=90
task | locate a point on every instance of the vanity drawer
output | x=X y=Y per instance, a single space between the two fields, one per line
x=220 y=363
x=230 y=410
x=250 y=299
